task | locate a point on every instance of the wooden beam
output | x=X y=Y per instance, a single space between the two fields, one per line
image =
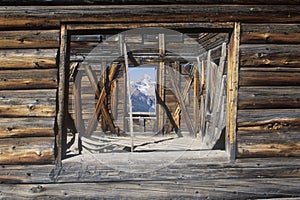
x=28 y=16
x=63 y=88
x=182 y=104
x=232 y=92
x=100 y=103
x=142 y=2
x=161 y=71
x=184 y=94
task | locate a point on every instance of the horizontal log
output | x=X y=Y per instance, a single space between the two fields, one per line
x=269 y=119
x=28 y=97
x=45 y=16
x=143 y=2
x=270 y=33
x=27 y=127
x=269 y=97
x=29 y=110
x=270 y=55
x=28 y=58
x=268 y=143
x=30 y=39
x=268 y=150
x=267 y=78
x=28 y=79
x=36 y=150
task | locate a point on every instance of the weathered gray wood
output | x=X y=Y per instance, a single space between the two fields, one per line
x=26 y=97
x=143 y=2
x=27 y=150
x=270 y=33
x=28 y=79
x=42 y=16
x=187 y=189
x=28 y=58
x=270 y=55
x=27 y=127
x=232 y=91
x=30 y=39
x=182 y=104
x=269 y=118
x=269 y=97
x=62 y=98
x=269 y=78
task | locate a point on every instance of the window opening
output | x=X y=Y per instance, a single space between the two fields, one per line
x=177 y=83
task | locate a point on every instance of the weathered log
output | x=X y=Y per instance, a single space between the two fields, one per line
x=267 y=78
x=30 y=39
x=270 y=55
x=143 y=2
x=269 y=97
x=270 y=33
x=27 y=127
x=266 y=119
x=248 y=149
x=28 y=79
x=27 y=97
x=30 y=110
x=45 y=16
x=27 y=150
x=28 y=58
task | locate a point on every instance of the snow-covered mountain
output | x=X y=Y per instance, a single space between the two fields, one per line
x=143 y=94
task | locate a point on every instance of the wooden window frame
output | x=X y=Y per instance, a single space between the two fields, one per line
x=232 y=75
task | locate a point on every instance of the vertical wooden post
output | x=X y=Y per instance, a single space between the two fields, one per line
x=232 y=92
x=161 y=82
x=129 y=97
x=196 y=98
x=61 y=137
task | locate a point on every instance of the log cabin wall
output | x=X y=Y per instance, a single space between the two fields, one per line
x=268 y=119
x=28 y=73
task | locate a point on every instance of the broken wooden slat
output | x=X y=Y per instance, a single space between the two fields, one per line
x=28 y=79
x=27 y=150
x=27 y=127
x=28 y=58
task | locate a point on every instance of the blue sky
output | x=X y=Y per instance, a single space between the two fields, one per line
x=136 y=73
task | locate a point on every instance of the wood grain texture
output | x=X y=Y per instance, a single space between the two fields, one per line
x=29 y=39
x=270 y=55
x=28 y=79
x=269 y=97
x=27 y=150
x=142 y=2
x=50 y=17
x=28 y=58
x=27 y=127
x=270 y=33
x=269 y=78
